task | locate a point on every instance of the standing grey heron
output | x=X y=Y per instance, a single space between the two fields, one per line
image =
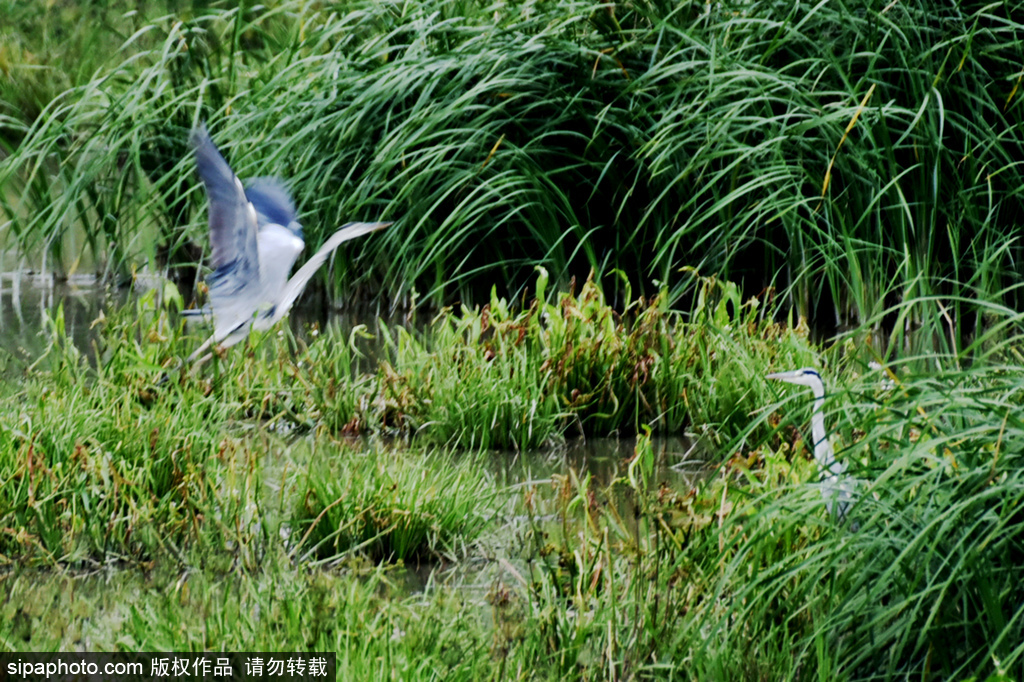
x=255 y=239
x=835 y=488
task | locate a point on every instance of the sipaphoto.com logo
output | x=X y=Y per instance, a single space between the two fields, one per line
x=73 y=667
x=70 y=666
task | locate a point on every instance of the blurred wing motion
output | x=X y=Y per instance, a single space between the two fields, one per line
x=255 y=239
x=236 y=283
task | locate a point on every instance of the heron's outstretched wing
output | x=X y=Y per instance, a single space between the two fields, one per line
x=235 y=283
x=272 y=202
x=232 y=217
x=302 y=276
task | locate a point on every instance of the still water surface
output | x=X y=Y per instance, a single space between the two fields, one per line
x=27 y=299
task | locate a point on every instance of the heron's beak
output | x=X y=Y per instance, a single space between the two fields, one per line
x=781 y=376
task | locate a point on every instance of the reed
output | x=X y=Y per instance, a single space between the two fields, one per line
x=851 y=155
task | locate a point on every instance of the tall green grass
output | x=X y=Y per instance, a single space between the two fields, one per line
x=126 y=451
x=47 y=50
x=123 y=454
x=747 y=577
x=495 y=377
x=89 y=469
x=851 y=153
x=392 y=505
x=377 y=630
x=927 y=580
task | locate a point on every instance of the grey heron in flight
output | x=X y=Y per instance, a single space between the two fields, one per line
x=255 y=239
x=835 y=487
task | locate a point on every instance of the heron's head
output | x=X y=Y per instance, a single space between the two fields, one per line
x=805 y=376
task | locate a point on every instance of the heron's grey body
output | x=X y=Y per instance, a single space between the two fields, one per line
x=835 y=487
x=255 y=240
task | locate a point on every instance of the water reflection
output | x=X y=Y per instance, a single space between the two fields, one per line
x=604 y=459
x=509 y=553
x=26 y=299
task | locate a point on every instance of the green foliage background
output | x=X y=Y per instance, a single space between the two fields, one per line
x=856 y=153
x=862 y=158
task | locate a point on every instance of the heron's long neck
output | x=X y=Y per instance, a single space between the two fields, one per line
x=822 y=447
x=834 y=487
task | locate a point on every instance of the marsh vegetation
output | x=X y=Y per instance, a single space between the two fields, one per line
x=285 y=463
x=611 y=221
